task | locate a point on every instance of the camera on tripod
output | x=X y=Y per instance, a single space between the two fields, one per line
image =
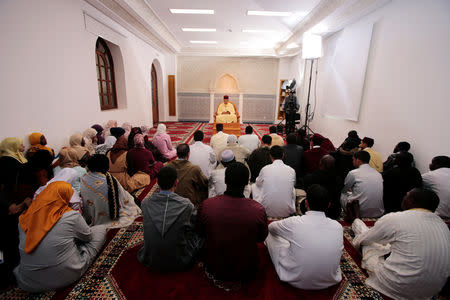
x=291 y=107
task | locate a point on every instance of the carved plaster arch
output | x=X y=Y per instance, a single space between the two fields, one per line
x=225 y=83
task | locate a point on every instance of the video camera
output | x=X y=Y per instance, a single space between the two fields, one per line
x=291 y=107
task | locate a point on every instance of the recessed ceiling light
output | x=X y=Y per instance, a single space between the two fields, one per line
x=256 y=30
x=199 y=29
x=268 y=13
x=203 y=42
x=192 y=11
x=292 y=46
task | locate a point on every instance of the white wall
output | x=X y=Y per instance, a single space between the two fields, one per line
x=407 y=87
x=48 y=79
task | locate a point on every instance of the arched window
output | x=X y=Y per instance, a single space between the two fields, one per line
x=105 y=76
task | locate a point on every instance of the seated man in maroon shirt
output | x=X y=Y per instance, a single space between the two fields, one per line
x=232 y=225
x=315 y=154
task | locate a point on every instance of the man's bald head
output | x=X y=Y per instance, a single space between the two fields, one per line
x=327 y=162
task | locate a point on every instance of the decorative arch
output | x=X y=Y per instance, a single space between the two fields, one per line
x=157 y=91
x=225 y=83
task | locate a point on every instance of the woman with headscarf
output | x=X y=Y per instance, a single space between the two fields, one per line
x=105 y=200
x=127 y=127
x=12 y=162
x=38 y=142
x=90 y=140
x=68 y=175
x=156 y=153
x=162 y=141
x=118 y=167
x=117 y=132
x=68 y=158
x=56 y=245
x=77 y=143
x=99 y=129
x=134 y=131
x=141 y=159
x=106 y=146
x=110 y=124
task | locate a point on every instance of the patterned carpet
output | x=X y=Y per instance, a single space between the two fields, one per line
x=116 y=273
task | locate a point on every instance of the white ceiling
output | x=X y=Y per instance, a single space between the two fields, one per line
x=154 y=23
x=230 y=19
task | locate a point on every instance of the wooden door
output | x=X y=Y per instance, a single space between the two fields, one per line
x=155 y=96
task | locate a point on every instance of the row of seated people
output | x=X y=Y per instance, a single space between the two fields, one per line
x=193 y=175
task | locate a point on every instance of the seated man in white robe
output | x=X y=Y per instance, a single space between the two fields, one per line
x=306 y=250
x=418 y=244
x=226 y=112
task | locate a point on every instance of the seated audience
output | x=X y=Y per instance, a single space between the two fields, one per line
x=232 y=226
x=249 y=140
x=375 y=157
x=56 y=245
x=202 y=155
x=399 y=148
x=226 y=112
x=170 y=240
x=216 y=183
x=293 y=154
x=274 y=187
x=399 y=180
x=306 y=250
x=363 y=189
x=105 y=201
x=133 y=132
x=68 y=158
x=141 y=159
x=107 y=128
x=162 y=141
x=328 y=178
x=156 y=153
x=77 y=143
x=99 y=129
x=90 y=140
x=325 y=144
x=418 y=244
x=38 y=142
x=438 y=180
x=240 y=153
x=219 y=140
x=127 y=127
x=351 y=143
x=259 y=158
x=276 y=139
x=192 y=183
x=106 y=146
x=118 y=167
x=313 y=155
x=302 y=140
x=117 y=132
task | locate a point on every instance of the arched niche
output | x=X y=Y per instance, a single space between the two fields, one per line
x=225 y=84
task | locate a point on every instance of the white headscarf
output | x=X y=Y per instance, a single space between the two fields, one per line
x=161 y=128
x=68 y=175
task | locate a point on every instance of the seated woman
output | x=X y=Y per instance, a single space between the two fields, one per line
x=56 y=245
x=38 y=142
x=77 y=143
x=141 y=159
x=106 y=130
x=156 y=153
x=68 y=158
x=105 y=201
x=226 y=112
x=162 y=141
x=99 y=129
x=118 y=167
x=90 y=140
x=106 y=146
x=134 y=131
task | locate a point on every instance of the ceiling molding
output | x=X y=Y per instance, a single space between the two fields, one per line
x=226 y=52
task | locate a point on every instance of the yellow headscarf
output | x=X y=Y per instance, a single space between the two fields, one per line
x=11 y=147
x=35 y=141
x=44 y=212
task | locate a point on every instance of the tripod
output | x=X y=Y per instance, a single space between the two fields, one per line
x=305 y=126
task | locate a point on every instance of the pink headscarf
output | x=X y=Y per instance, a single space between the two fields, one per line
x=139 y=141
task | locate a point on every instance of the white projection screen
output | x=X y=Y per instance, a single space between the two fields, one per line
x=344 y=70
